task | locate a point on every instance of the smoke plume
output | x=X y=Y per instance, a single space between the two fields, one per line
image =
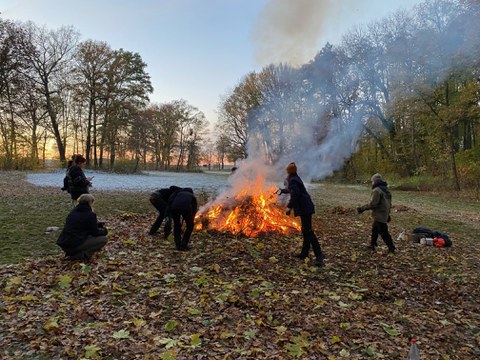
x=288 y=31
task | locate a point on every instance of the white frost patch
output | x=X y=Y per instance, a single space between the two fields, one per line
x=211 y=182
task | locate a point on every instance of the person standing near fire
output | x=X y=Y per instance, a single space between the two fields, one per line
x=182 y=206
x=380 y=204
x=302 y=205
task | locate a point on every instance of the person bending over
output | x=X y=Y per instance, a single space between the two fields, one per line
x=159 y=199
x=182 y=206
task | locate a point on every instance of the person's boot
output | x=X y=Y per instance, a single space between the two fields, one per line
x=372 y=246
x=320 y=260
x=301 y=256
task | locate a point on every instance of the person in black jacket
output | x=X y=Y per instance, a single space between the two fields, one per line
x=182 y=204
x=159 y=199
x=82 y=234
x=78 y=183
x=302 y=206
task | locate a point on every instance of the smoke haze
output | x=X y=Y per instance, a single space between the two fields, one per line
x=287 y=31
x=320 y=130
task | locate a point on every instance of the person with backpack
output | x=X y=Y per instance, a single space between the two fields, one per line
x=302 y=205
x=78 y=183
x=65 y=179
x=380 y=204
x=182 y=206
x=159 y=199
x=82 y=234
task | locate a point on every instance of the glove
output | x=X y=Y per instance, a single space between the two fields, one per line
x=288 y=211
x=360 y=210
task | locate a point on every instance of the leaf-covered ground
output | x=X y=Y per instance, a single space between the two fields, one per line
x=244 y=298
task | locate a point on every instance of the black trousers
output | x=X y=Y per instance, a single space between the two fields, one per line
x=87 y=248
x=188 y=216
x=161 y=207
x=379 y=228
x=309 y=238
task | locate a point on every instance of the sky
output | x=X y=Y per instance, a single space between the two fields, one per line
x=199 y=50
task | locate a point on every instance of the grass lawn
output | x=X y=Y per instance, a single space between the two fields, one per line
x=231 y=297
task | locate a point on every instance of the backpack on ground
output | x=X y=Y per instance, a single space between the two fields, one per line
x=434 y=234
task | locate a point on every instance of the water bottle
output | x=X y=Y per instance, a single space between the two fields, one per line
x=414 y=353
x=401 y=237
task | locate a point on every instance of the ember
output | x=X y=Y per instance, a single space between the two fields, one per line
x=252 y=212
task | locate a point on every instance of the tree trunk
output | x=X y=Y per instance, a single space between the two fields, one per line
x=88 y=145
x=54 y=122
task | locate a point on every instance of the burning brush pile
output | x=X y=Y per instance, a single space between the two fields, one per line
x=253 y=210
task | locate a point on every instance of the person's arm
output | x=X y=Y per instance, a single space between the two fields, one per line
x=375 y=199
x=93 y=228
x=78 y=177
x=294 y=190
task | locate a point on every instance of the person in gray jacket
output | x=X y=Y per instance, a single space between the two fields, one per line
x=380 y=204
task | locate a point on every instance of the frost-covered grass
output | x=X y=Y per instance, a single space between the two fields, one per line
x=148 y=181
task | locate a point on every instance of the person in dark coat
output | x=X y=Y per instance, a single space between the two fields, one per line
x=302 y=205
x=78 y=183
x=380 y=204
x=82 y=234
x=182 y=205
x=159 y=199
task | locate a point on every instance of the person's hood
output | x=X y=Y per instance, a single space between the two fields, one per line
x=382 y=185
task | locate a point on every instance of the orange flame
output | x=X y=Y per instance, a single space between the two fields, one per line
x=253 y=211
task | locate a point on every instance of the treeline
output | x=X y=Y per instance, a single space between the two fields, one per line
x=408 y=85
x=410 y=81
x=88 y=98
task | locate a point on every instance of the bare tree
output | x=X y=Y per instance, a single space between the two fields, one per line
x=51 y=60
x=92 y=60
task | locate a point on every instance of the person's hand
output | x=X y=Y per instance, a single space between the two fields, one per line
x=90 y=178
x=360 y=210
x=288 y=211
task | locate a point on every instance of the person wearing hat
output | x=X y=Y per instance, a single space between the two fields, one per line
x=380 y=204
x=302 y=205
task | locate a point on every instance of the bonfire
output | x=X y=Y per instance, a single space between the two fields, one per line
x=254 y=210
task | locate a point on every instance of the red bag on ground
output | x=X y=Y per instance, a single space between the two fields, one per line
x=439 y=242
